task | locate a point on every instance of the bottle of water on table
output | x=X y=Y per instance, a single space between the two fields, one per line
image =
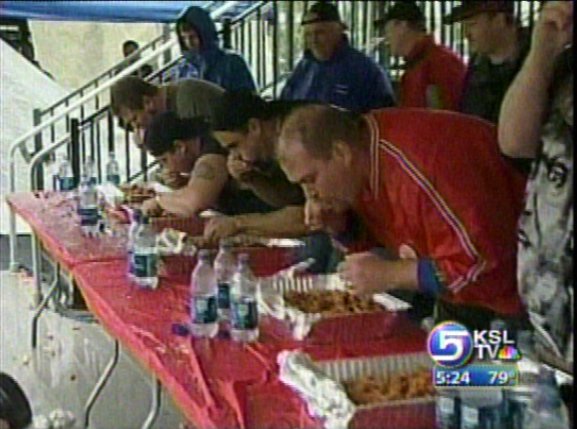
x=546 y=409
x=135 y=220
x=243 y=303
x=203 y=297
x=89 y=170
x=145 y=256
x=65 y=176
x=88 y=207
x=224 y=267
x=56 y=173
x=482 y=409
x=113 y=170
x=448 y=409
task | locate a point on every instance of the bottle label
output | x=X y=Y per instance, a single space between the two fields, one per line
x=66 y=183
x=204 y=309
x=130 y=262
x=470 y=418
x=88 y=217
x=145 y=265
x=447 y=414
x=224 y=296
x=244 y=314
x=113 y=178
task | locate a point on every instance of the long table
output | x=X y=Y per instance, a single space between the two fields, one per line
x=217 y=383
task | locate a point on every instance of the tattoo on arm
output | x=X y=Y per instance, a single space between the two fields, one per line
x=204 y=171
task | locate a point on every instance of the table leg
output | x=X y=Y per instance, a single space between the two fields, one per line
x=100 y=384
x=13 y=244
x=36 y=269
x=155 y=405
x=42 y=306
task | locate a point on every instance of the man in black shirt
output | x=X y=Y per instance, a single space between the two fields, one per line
x=499 y=46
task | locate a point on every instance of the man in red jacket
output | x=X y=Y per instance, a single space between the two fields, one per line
x=431 y=187
x=434 y=75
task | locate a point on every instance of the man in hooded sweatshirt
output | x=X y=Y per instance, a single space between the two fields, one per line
x=203 y=58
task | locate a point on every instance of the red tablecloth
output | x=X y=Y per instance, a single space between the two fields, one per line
x=216 y=383
x=53 y=219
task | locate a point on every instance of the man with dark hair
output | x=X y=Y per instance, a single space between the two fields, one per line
x=203 y=58
x=537 y=122
x=332 y=71
x=456 y=243
x=434 y=75
x=498 y=45
x=136 y=101
x=247 y=127
x=184 y=147
x=15 y=410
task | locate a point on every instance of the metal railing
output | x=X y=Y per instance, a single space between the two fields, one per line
x=267 y=34
x=62 y=117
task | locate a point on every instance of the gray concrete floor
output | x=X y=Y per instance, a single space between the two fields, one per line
x=69 y=358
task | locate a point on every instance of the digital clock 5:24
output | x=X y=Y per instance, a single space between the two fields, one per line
x=476 y=375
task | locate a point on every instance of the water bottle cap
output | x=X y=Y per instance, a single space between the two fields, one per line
x=498 y=325
x=145 y=220
x=546 y=377
x=203 y=254
x=225 y=243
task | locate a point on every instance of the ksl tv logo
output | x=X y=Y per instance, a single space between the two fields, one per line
x=451 y=345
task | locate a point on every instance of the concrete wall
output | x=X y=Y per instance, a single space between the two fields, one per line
x=75 y=52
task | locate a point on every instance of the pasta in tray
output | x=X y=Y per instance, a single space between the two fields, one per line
x=371 y=390
x=331 y=302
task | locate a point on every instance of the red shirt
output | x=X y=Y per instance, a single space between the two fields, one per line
x=440 y=186
x=434 y=77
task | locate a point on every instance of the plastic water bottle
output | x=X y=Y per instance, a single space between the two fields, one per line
x=88 y=207
x=224 y=267
x=55 y=174
x=135 y=220
x=519 y=397
x=546 y=410
x=145 y=256
x=89 y=170
x=243 y=302
x=65 y=176
x=113 y=170
x=203 y=297
x=448 y=409
x=482 y=409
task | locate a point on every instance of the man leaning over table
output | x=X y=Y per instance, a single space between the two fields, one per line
x=447 y=210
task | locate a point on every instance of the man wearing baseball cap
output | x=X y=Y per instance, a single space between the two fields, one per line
x=434 y=75
x=332 y=71
x=498 y=45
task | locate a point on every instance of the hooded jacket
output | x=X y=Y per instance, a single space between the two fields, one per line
x=226 y=69
x=350 y=80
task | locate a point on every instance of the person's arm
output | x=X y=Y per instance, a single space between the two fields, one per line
x=240 y=75
x=377 y=88
x=447 y=79
x=525 y=104
x=272 y=186
x=286 y=222
x=274 y=190
x=204 y=187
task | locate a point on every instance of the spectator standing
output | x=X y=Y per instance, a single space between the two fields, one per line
x=434 y=75
x=129 y=47
x=203 y=58
x=332 y=71
x=537 y=122
x=499 y=46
